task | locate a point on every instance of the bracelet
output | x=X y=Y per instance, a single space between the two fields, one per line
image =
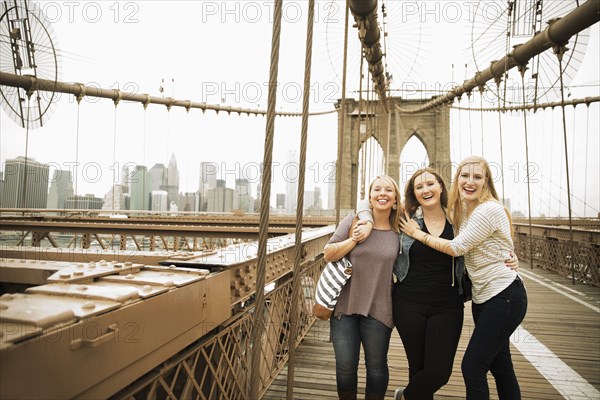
x=426 y=239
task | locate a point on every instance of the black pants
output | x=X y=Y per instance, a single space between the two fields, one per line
x=430 y=337
x=489 y=347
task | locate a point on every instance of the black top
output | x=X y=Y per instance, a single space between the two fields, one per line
x=429 y=278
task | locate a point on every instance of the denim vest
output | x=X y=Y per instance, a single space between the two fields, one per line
x=402 y=263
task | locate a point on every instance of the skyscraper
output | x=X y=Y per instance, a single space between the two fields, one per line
x=158 y=177
x=172 y=181
x=61 y=187
x=159 y=200
x=140 y=188
x=208 y=180
x=220 y=198
x=87 y=202
x=25 y=183
x=114 y=199
x=291 y=182
x=242 y=199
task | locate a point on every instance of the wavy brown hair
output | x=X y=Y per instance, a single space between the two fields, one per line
x=410 y=200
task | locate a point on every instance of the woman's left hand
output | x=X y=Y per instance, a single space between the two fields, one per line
x=361 y=231
x=409 y=226
x=512 y=262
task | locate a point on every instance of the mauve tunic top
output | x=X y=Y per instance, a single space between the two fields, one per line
x=369 y=291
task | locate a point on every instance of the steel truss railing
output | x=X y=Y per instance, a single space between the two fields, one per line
x=551 y=250
x=218 y=366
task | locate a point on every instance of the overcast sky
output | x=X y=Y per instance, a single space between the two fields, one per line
x=218 y=52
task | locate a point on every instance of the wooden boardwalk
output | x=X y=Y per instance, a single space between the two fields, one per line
x=556 y=351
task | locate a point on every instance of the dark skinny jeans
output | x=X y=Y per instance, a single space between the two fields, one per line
x=489 y=347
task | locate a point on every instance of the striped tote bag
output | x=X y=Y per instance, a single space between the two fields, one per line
x=330 y=284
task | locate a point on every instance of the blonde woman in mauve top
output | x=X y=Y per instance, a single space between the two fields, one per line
x=363 y=313
x=484 y=236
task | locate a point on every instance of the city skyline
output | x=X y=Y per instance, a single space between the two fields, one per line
x=136 y=183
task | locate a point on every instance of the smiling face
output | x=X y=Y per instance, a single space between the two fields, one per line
x=471 y=181
x=382 y=195
x=427 y=190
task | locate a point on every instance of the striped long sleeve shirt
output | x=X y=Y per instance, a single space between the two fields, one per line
x=486 y=242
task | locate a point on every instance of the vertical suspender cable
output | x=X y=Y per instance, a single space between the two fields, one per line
x=258 y=323
x=114 y=166
x=501 y=151
x=481 y=116
x=300 y=201
x=24 y=196
x=587 y=136
x=338 y=169
x=76 y=169
x=469 y=115
x=144 y=197
x=522 y=69
x=361 y=118
x=498 y=81
x=470 y=128
x=559 y=50
x=459 y=130
x=573 y=145
x=389 y=131
x=368 y=122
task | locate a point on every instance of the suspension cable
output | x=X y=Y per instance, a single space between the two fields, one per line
x=362 y=118
x=559 y=50
x=368 y=123
x=24 y=198
x=460 y=157
x=535 y=107
x=587 y=137
x=342 y=130
x=144 y=196
x=300 y=204
x=469 y=116
x=481 y=89
x=511 y=4
x=259 y=304
x=114 y=165
x=522 y=69
x=76 y=169
x=501 y=142
x=470 y=127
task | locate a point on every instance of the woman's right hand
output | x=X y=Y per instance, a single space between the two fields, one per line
x=409 y=226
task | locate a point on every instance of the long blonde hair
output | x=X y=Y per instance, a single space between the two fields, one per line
x=395 y=213
x=488 y=192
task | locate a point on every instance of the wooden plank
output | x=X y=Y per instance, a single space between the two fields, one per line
x=569 y=329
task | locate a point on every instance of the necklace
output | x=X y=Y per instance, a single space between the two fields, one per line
x=435 y=222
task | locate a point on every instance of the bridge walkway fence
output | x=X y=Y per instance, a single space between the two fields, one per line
x=553 y=250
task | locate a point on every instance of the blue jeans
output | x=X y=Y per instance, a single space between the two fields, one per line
x=347 y=334
x=489 y=347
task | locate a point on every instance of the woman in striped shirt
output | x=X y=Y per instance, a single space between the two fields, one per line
x=484 y=236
